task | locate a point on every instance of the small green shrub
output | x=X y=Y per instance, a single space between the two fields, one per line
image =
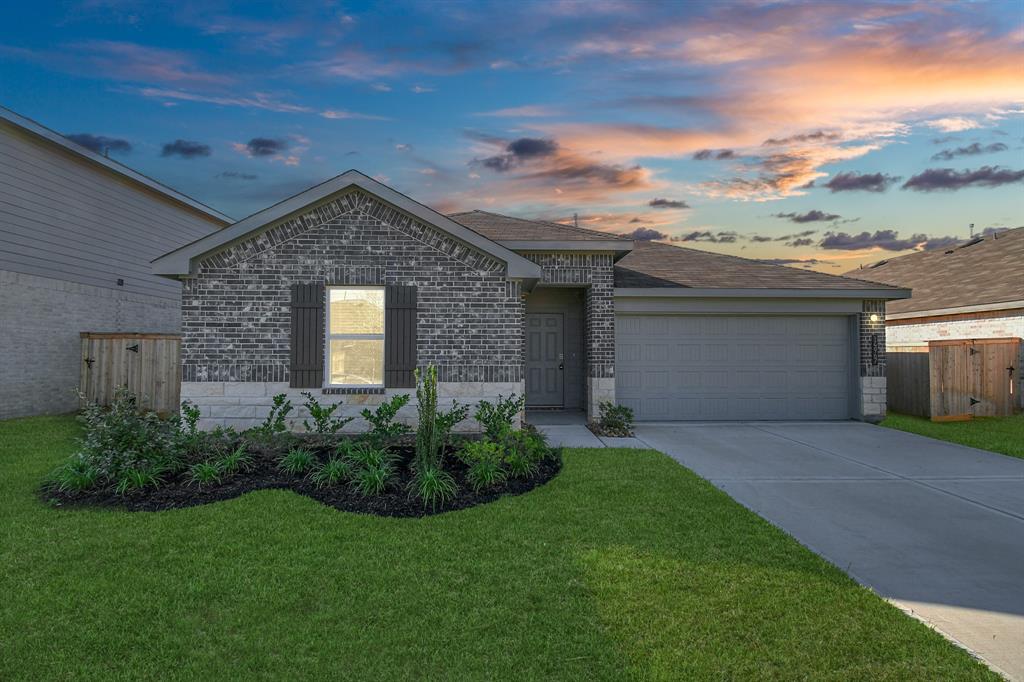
x=76 y=475
x=384 y=430
x=324 y=423
x=434 y=427
x=520 y=464
x=205 y=473
x=434 y=486
x=614 y=420
x=235 y=460
x=373 y=479
x=334 y=471
x=484 y=464
x=276 y=420
x=297 y=461
x=496 y=418
x=136 y=478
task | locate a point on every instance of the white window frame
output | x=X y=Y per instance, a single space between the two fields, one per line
x=366 y=337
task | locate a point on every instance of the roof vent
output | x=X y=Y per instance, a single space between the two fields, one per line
x=976 y=240
x=879 y=263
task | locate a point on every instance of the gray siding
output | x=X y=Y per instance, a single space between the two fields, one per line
x=69 y=229
x=69 y=219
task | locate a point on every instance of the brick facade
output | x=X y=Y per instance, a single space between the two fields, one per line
x=236 y=315
x=872 y=360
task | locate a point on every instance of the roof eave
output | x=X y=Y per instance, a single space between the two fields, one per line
x=620 y=247
x=180 y=262
x=958 y=310
x=56 y=138
x=707 y=292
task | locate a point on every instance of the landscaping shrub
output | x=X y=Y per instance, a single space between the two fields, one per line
x=434 y=486
x=430 y=482
x=297 y=461
x=275 y=422
x=496 y=418
x=484 y=464
x=235 y=460
x=373 y=468
x=205 y=473
x=334 y=471
x=122 y=447
x=615 y=421
x=324 y=421
x=384 y=430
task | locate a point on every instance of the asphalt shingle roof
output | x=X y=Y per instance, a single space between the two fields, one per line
x=499 y=227
x=654 y=264
x=989 y=270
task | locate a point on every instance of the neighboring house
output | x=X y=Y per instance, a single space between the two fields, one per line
x=971 y=291
x=277 y=302
x=77 y=234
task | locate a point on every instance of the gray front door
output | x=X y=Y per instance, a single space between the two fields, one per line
x=544 y=358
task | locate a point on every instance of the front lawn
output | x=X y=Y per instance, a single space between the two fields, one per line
x=1004 y=435
x=625 y=565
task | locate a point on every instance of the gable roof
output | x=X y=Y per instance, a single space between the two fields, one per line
x=986 y=271
x=182 y=261
x=657 y=266
x=539 y=235
x=42 y=132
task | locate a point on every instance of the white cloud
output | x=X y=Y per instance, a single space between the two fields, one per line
x=953 y=124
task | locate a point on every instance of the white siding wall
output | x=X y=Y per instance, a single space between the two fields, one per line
x=69 y=229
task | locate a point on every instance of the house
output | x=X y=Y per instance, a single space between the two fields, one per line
x=971 y=291
x=77 y=233
x=277 y=303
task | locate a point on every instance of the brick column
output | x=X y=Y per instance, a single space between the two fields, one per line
x=872 y=361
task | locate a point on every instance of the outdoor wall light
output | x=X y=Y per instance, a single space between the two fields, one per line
x=874 y=317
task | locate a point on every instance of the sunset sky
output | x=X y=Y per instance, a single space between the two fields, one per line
x=823 y=134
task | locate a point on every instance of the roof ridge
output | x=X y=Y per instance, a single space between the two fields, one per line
x=576 y=228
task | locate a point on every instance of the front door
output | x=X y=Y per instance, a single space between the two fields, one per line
x=544 y=360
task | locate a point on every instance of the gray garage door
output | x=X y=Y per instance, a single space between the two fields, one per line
x=720 y=367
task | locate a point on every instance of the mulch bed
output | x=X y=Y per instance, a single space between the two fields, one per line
x=178 y=491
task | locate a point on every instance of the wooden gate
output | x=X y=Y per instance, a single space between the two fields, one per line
x=149 y=365
x=973 y=378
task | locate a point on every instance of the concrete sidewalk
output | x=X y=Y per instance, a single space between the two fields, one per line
x=936 y=528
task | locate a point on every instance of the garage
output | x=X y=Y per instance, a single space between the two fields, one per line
x=735 y=367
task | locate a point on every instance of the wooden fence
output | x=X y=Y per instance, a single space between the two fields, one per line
x=955 y=379
x=149 y=365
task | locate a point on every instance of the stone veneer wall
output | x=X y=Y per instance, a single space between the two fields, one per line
x=872 y=361
x=595 y=271
x=236 y=314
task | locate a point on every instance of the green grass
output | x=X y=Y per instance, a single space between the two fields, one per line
x=626 y=566
x=998 y=434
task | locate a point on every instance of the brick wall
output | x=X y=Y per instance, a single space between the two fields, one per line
x=872 y=360
x=40 y=347
x=236 y=315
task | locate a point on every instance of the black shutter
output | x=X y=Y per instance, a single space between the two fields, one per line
x=399 y=336
x=307 y=336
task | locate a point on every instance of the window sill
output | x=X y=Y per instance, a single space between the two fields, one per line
x=353 y=390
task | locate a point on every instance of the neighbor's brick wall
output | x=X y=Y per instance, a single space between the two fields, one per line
x=236 y=315
x=872 y=360
x=595 y=271
x=905 y=334
x=40 y=348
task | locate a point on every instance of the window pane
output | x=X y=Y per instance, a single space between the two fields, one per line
x=357 y=361
x=357 y=311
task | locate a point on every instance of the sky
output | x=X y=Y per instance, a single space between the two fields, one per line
x=823 y=135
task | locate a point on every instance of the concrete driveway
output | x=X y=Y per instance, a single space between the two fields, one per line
x=934 y=527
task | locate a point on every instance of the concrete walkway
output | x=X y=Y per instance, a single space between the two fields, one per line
x=936 y=528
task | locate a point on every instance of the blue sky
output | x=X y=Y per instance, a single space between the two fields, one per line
x=823 y=134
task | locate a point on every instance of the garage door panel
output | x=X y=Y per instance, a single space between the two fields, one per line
x=734 y=367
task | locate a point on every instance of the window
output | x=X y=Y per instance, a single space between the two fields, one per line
x=355 y=336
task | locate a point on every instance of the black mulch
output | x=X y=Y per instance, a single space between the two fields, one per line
x=178 y=491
